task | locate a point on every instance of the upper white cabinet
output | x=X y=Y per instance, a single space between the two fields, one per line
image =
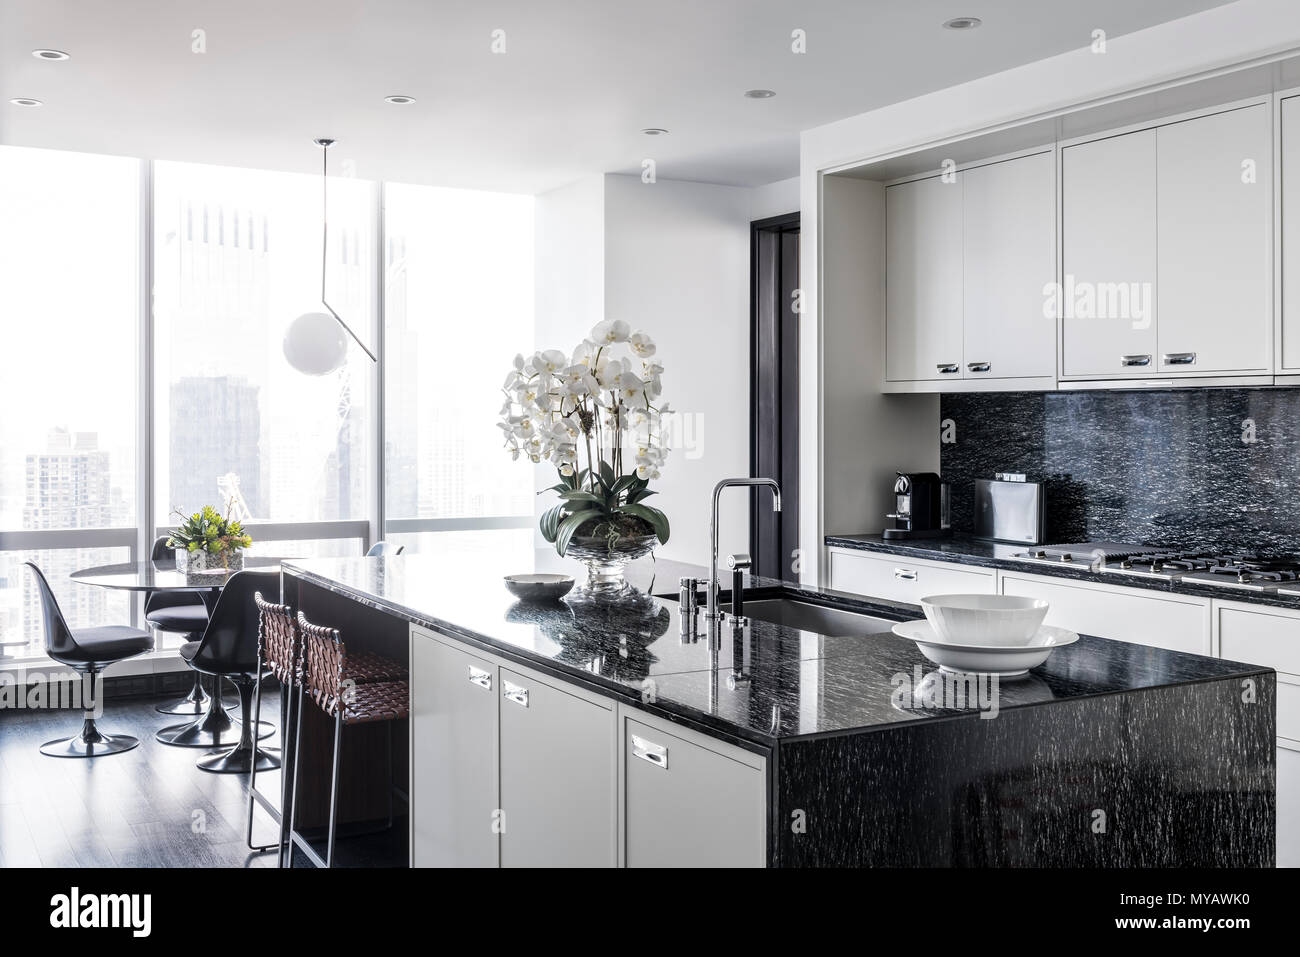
x=923 y=285
x=1214 y=178
x=1108 y=244
x=1289 y=340
x=1166 y=250
x=967 y=260
x=1009 y=261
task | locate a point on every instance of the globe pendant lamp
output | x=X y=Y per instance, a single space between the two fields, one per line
x=314 y=342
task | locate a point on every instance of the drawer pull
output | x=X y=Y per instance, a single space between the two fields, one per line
x=656 y=754
x=1180 y=358
x=1139 y=360
x=948 y=368
x=515 y=693
x=905 y=574
x=979 y=366
x=480 y=677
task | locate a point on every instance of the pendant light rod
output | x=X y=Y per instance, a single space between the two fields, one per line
x=325 y=145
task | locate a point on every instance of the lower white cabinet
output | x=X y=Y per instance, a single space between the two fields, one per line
x=690 y=801
x=1160 y=620
x=1268 y=636
x=1288 y=806
x=558 y=784
x=902 y=579
x=513 y=768
x=453 y=756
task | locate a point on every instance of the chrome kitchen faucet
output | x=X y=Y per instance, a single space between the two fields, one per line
x=711 y=610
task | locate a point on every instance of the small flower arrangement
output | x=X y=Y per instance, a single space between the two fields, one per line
x=560 y=406
x=208 y=533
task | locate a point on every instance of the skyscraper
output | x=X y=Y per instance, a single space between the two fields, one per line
x=67 y=486
x=215 y=429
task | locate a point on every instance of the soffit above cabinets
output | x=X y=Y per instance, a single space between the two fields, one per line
x=1138 y=107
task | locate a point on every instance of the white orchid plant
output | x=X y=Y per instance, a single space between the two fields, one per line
x=559 y=407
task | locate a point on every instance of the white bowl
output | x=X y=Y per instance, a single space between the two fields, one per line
x=1007 y=661
x=985 y=619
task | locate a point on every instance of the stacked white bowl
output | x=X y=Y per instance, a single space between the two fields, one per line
x=985 y=620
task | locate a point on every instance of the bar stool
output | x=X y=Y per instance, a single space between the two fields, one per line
x=328 y=674
x=278 y=650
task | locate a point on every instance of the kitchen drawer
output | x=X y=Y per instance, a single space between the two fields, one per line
x=1260 y=638
x=1129 y=615
x=902 y=579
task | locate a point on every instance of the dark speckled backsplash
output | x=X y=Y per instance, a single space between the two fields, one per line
x=1165 y=468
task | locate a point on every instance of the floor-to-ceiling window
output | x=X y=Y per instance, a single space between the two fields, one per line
x=237 y=256
x=217 y=415
x=69 y=339
x=458 y=305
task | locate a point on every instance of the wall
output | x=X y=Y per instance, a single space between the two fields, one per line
x=677 y=265
x=1160 y=467
x=774 y=199
x=1240 y=32
x=671 y=258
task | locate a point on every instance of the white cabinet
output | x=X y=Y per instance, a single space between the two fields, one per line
x=690 y=801
x=1108 y=256
x=923 y=288
x=902 y=579
x=1009 y=262
x=507 y=768
x=1178 y=623
x=453 y=756
x=967 y=260
x=1289 y=344
x=1166 y=239
x=1271 y=637
x=1214 y=179
x=558 y=783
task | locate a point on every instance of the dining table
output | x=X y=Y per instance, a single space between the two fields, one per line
x=211 y=726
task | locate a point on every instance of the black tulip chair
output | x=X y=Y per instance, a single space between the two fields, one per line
x=183 y=613
x=87 y=651
x=228 y=649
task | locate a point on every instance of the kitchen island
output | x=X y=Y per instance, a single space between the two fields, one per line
x=585 y=733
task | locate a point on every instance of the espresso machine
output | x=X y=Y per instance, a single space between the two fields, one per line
x=921 y=507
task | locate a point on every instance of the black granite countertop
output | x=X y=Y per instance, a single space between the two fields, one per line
x=767 y=684
x=964 y=550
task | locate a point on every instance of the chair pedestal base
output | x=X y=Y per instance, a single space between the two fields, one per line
x=90 y=743
x=195 y=703
x=238 y=760
x=215 y=729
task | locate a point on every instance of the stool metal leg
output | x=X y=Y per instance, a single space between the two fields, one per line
x=254 y=796
x=293 y=799
x=334 y=787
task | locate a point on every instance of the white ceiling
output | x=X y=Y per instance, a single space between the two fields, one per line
x=577 y=82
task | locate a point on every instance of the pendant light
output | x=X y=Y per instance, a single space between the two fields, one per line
x=314 y=343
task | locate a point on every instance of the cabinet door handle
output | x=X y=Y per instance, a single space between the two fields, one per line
x=480 y=677
x=905 y=574
x=1138 y=360
x=1180 y=358
x=516 y=693
x=656 y=754
x=948 y=368
x=979 y=366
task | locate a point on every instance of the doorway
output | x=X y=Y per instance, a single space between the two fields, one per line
x=774 y=392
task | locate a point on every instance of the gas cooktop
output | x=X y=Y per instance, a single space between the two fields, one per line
x=1280 y=573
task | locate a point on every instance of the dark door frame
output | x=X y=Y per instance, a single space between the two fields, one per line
x=766 y=288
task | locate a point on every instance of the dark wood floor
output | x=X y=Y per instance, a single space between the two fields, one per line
x=149 y=807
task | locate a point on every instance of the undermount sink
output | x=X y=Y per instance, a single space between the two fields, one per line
x=808 y=616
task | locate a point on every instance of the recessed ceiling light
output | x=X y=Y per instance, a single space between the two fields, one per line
x=654 y=131
x=24 y=101
x=760 y=94
x=962 y=23
x=399 y=100
x=50 y=55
